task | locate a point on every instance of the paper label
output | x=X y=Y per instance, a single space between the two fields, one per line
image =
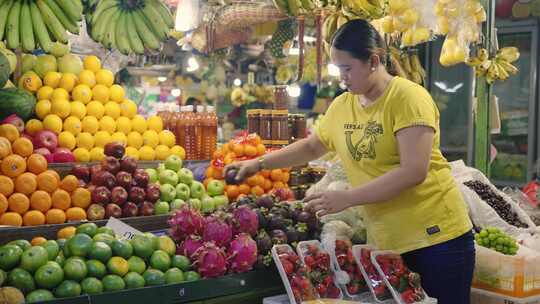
x=121 y=229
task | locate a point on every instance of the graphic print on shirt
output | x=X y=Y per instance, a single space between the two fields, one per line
x=365 y=146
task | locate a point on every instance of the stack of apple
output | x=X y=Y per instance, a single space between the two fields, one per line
x=178 y=187
x=118 y=187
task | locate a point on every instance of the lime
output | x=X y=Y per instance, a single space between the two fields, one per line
x=96 y=269
x=105 y=238
x=49 y=275
x=166 y=244
x=91 y=286
x=118 y=266
x=89 y=229
x=113 y=282
x=23 y=244
x=122 y=248
x=10 y=256
x=191 y=276
x=61 y=243
x=3 y=277
x=60 y=259
x=75 y=269
x=173 y=276
x=22 y=280
x=181 y=262
x=136 y=264
x=154 y=277
x=79 y=245
x=68 y=289
x=100 y=251
x=52 y=248
x=142 y=246
x=33 y=258
x=106 y=230
x=160 y=260
x=134 y=280
x=39 y=295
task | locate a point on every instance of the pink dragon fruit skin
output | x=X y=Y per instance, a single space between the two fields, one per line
x=242 y=253
x=189 y=246
x=217 y=230
x=210 y=260
x=245 y=220
x=185 y=222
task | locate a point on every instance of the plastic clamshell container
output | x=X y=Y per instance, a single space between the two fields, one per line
x=283 y=274
x=363 y=294
x=302 y=249
x=370 y=283
x=396 y=294
x=479 y=296
x=512 y=275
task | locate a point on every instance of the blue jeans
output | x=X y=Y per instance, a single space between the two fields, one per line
x=446 y=269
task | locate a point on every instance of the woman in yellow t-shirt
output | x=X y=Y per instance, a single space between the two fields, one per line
x=386 y=132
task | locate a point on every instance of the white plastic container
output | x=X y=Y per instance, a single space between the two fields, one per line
x=395 y=293
x=371 y=283
x=479 y=296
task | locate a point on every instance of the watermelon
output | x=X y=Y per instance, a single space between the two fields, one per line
x=5 y=70
x=16 y=101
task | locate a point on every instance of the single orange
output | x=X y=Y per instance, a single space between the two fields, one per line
x=267 y=185
x=286 y=176
x=55 y=174
x=257 y=191
x=81 y=198
x=252 y=181
x=19 y=203
x=26 y=183
x=239 y=149
x=61 y=199
x=276 y=175
x=5 y=147
x=244 y=189
x=250 y=151
x=260 y=180
x=265 y=173
x=23 y=147
x=66 y=232
x=217 y=173
x=261 y=149
x=6 y=185
x=11 y=219
x=279 y=185
x=13 y=165
x=209 y=172
x=47 y=181
x=33 y=218
x=232 y=191
x=9 y=131
x=55 y=216
x=36 y=163
x=38 y=240
x=41 y=200
x=69 y=183
x=75 y=214
x=3 y=204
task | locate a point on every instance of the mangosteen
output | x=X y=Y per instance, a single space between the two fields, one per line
x=230 y=176
x=262 y=213
x=302 y=230
x=278 y=237
x=244 y=200
x=266 y=201
x=297 y=208
x=304 y=217
x=280 y=211
x=292 y=234
x=264 y=242
x=276 y=221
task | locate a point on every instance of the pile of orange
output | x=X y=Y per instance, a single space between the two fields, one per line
x=243 y=148
x=30 y=194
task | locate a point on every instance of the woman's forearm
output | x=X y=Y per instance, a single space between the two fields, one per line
x=296 y=154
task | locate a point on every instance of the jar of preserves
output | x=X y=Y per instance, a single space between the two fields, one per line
x=253 y=117
x=281 y=98
x=265 y=125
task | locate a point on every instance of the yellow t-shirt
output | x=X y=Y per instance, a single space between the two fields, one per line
x=364 y=138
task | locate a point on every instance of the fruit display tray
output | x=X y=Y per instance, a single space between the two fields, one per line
x=250 y=287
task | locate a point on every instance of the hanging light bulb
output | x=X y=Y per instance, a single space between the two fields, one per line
x=333 y=70
x=187 y=15
x=294 y=90
x=192 y=64
x=237 y=82
x=162 y=78
x=176 y=92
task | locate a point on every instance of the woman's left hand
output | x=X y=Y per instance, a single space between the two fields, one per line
x=327 y=202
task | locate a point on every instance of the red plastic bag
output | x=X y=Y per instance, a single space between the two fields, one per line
x=530 y=190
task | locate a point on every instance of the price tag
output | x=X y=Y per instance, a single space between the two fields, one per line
x=121 y=229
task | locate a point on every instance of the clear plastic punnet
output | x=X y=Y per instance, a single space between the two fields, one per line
x=379 y=290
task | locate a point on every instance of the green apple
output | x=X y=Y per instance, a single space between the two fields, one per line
x=176 y=204
x=207 y=204
x=161 y=208
x=168 y=177
x=221 y=201
x=197 y=190
x=173 y=162
x=215 y=187
x=185 y=176
x=195 y=203
x=153 y=175
x=183 y=192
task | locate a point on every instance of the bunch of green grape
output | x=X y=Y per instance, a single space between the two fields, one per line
x=497 y=240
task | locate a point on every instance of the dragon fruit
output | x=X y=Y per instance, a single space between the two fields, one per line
x=245 y=220
x=210 y=261
x=242 y=253
x=189 y=246
x=185 y=222
x=216 y=229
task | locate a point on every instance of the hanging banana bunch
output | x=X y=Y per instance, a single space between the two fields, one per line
x=409 y=61
x=499 y=67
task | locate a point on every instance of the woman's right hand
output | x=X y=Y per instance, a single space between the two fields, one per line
x=244 y=169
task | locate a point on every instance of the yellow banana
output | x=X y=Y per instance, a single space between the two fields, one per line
x=510 y=54
x=406 y=63
x=507 y=66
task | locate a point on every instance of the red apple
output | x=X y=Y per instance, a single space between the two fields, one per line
x=124 y=179
x=128 y=164
x=141 y=178
x=45 y=139
x=130 y=210
x=15 y=120
x=146 y=209
x=94 y=171
x=95 y=212
x=63 y=155
x=119 y=195
x=82 y=172
x=104 y=178
x=101 y=195
x=110 y=164
x=113 y=210
x=152 y=193
x=115 y=149
x=137 y=195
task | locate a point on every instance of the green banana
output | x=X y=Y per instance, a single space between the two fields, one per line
x=100 y=8
x=294 y=7
x=308 y=5
x=164 y=11
x=156 y=24
x=40 y=29
x=109 y=38
x=146 y=35
x=12 y=28
x=71 y=26
x=27 y=33
x=4 y=11
x=122 y=41
x=79 y=6
x=100 y=29
x=134 y=40
x=72 y=10
x=282 y=6
x=53 y=24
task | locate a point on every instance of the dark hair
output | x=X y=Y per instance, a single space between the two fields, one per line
x=361 y=40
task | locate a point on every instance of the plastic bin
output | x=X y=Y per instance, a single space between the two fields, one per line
x=479 y=296
x=514 y=276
